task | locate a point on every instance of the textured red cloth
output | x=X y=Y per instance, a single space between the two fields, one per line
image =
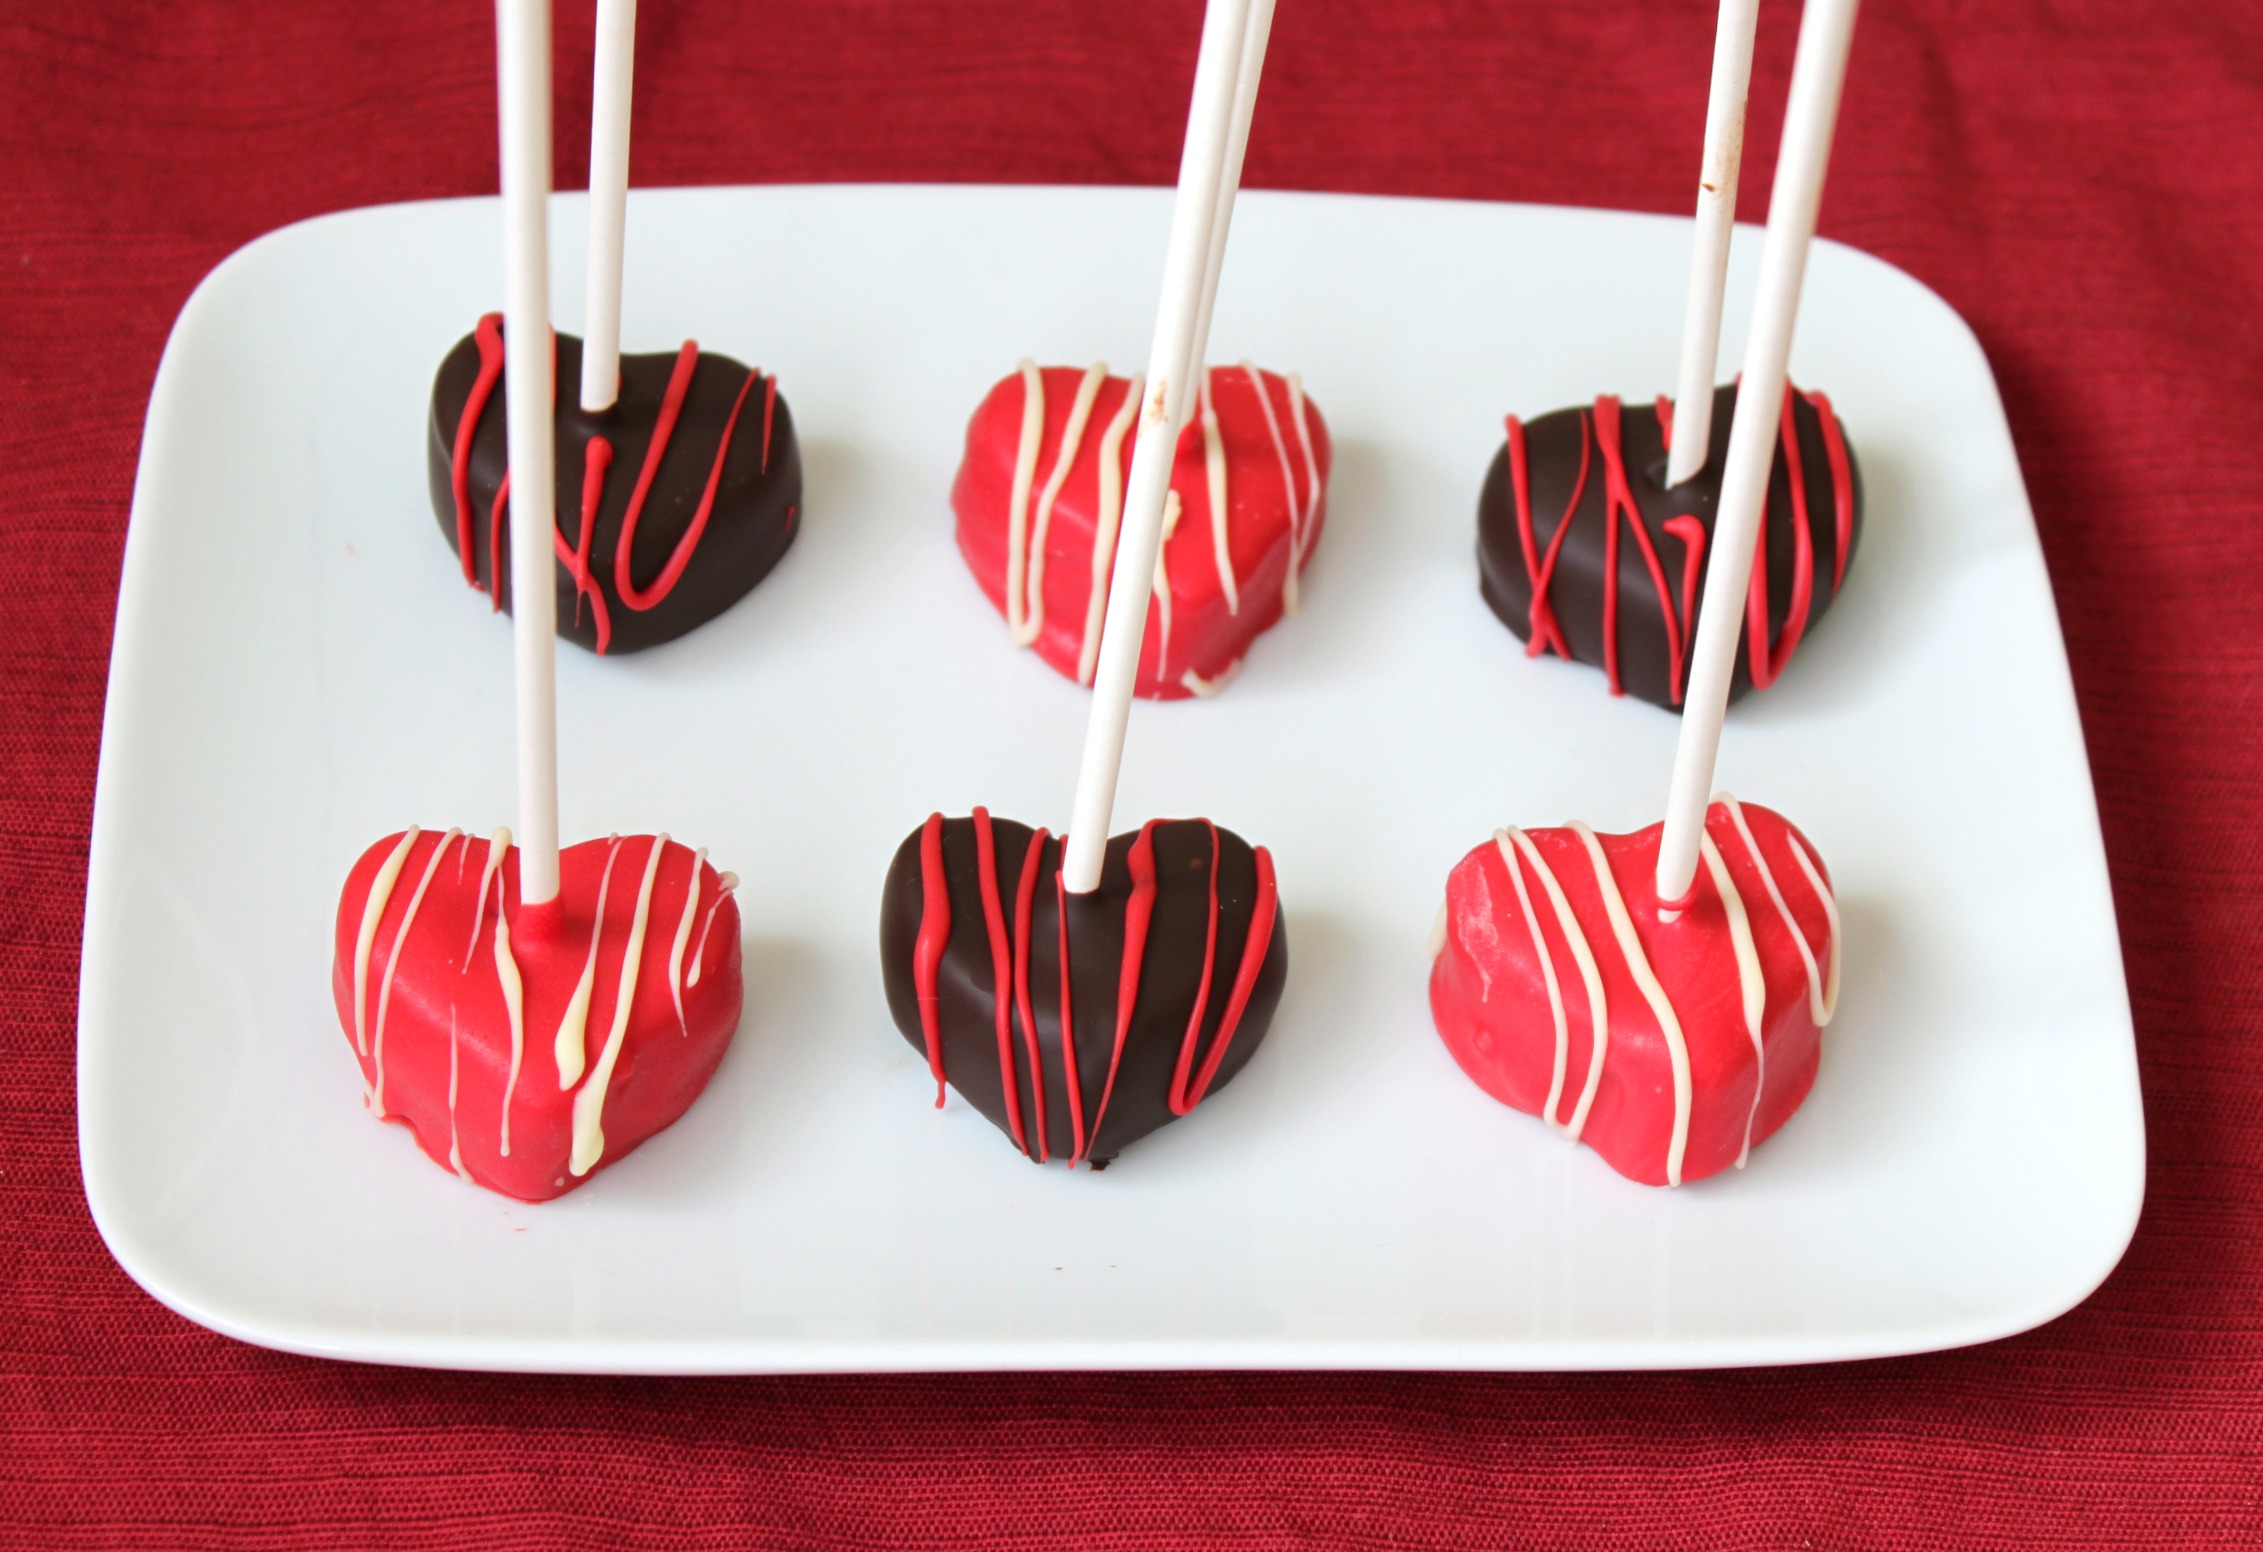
x=2083 y=182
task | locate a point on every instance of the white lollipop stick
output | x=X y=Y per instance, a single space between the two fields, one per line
x=1716 y=219
x=608 y=201
x=1818 y=72
x=529 y=388
x=1194 y=216
x=1254 y=38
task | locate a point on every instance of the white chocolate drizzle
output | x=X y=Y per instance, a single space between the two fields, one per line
x=373 y=912
x=1751 y=982
x=1104 y=528
x=589 y=1103
x=1591 y=977
x=1209 y=687
x=392 y=966
x=455 y=1143
x=514 y=990
x=1288 y=485
x=1017 y=511
x=1638 y=964
x=572 y=1044
x=683 y=937
x=1822 y=989
x=1814 y=872
x=1214 y=468
x=1300 y=537
x=498 y=846
x=1503 y=844
x=1171 y=514
x=724 y=883
x=1072 y=440
x=1027 y=529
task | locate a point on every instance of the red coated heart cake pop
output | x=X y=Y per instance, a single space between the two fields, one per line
x=1669 y=1046
x=1080 y=1023
x=526 y=1049
x=1041 y=492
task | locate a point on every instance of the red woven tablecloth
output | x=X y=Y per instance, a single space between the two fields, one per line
x=2084 y=182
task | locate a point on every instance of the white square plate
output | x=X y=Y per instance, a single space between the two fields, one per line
x=299 y=669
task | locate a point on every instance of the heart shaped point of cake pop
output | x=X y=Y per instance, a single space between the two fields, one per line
x=1578 y=499
x=1039 y=499
x=1165 y=978
x=672 y=504
x=1671 y=1047
x=526 y=1047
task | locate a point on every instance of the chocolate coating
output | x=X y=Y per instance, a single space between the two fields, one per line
x=1170 y=979
x=1554 y=447
x=756 y=508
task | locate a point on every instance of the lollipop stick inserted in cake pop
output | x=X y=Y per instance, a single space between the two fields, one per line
x=1139 y=971
x=613 y=72
x=1818 y=74
x=523 y=29
x=533 y=1021
x=1709 y=254
x=1251 y=65
x=1198 y=217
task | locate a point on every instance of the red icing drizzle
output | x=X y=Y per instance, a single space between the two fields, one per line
x=576 y=562
x=769 y=413
x=496 y=520
x=1618 y=499
x=1691 y=531
x=1139 y=912
x=1178 y=1100
x=1686 y=528
x=597 y=459
x=488 y=336
x=1545 y=633
x=1766 y=659
x=1245 y=978
x=1068 y=1026
x=1842 y=488
x=927 y=953
x=1025 y=902
x=671 y=405
x=1001 y=968
x=1010 y=954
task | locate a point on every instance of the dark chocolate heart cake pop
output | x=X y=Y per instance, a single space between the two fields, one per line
x=1172 y=970
x=1672 y=1043
x=1041 y=491
x=527 y=1047
x=1578 y=499
x=671 y=505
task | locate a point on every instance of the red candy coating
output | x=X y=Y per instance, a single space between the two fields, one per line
x=1705 y=1060
x=432 y=1023
x=1272 y=464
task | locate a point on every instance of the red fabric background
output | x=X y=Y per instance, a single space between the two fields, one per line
x=2084 y=182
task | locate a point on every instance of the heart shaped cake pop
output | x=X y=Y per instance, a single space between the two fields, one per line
x=526 y=1048
x=672 y=504
x=1669 y=1046
x=1041 y=491
x=1080 y=1023
x=1578 y=500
